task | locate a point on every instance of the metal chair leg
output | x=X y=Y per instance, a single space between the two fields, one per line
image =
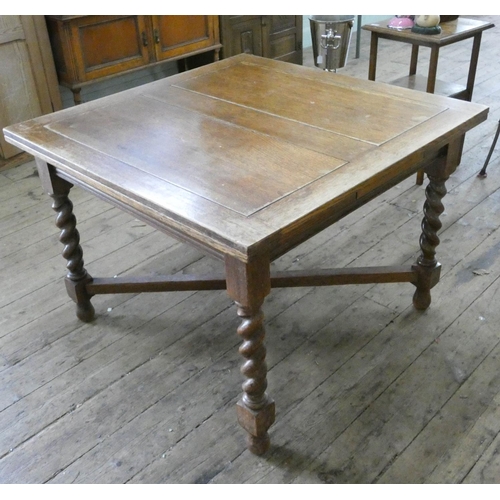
x=483 y=170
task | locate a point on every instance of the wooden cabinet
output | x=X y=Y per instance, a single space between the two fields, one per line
x=28 y=82
x=276 y=37
x=91 y=48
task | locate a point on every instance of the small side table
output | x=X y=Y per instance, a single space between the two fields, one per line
x=451 y=32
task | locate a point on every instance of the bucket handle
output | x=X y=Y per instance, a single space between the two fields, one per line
x=331 y=39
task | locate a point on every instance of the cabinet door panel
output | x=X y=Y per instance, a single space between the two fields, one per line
x=277 y=37
x=279 y=24
x=177 y=36
x=108 y=45
x=241 y=34
x=285 y=38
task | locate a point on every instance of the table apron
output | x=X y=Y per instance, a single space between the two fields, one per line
x=276 y=244
x=305 y=229
x=215 y=249
x=424 y=43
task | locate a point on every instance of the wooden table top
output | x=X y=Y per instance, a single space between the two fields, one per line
x=451 y=31
x=245 y=155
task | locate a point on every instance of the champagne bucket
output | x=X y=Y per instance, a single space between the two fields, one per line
x=331 y=37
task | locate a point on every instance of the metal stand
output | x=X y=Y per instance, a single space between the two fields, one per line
x=483 y=170
x=358 y=36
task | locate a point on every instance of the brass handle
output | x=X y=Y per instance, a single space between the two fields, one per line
x=144 y=39
x=157 y=36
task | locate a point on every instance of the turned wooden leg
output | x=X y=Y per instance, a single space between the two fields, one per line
x=77 y=277
x=77 y=96
x=255 y=409
x=247 y=285
x=427 y=266
x=420 y=178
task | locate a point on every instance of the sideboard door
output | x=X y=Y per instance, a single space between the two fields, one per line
x=276 y=37
x=176 y=36
x=284 y=38
x=241 y=35
x=99 y=46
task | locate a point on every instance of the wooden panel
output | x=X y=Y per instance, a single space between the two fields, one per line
x=13 y=56
x=276 y=37
x=42 y=63
x=108 y=45
x=10 y=33
x=300 y=134
x=102 y=46
x=180 y=30
x=285 y=38
x=29 y=85
x=340 y=115
x=61 y=50
x=175 y=36
x=282 y=47
x=279 y=24
x=214 y=163
x=242 y=35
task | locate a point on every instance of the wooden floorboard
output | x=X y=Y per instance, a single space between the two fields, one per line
x=367 y=389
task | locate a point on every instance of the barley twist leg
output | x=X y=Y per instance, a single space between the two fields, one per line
x=248 y=283
x=255 y=410
x=76 y=277
x=427 y=266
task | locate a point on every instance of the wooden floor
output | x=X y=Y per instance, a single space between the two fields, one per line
x=367 y=389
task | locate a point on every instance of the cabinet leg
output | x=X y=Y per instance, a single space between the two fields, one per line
x=420 y=177
x=77 y=96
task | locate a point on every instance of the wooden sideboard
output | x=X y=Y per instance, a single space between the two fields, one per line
x=91 y=48
x=275 y=37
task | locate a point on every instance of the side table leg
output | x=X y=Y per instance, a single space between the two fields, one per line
x=433 y=64
x=413 y=60
x=427 y=266
x=247 y=285
x=77 y=277
x=474 y=58
x=372 y=68
x=431 y=84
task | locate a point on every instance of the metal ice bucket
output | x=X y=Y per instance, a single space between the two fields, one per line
x=331 y=36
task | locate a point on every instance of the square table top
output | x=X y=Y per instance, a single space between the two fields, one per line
x=246 y=154
x=451 y=32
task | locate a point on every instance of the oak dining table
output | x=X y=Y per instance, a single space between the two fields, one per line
x=246 y=158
